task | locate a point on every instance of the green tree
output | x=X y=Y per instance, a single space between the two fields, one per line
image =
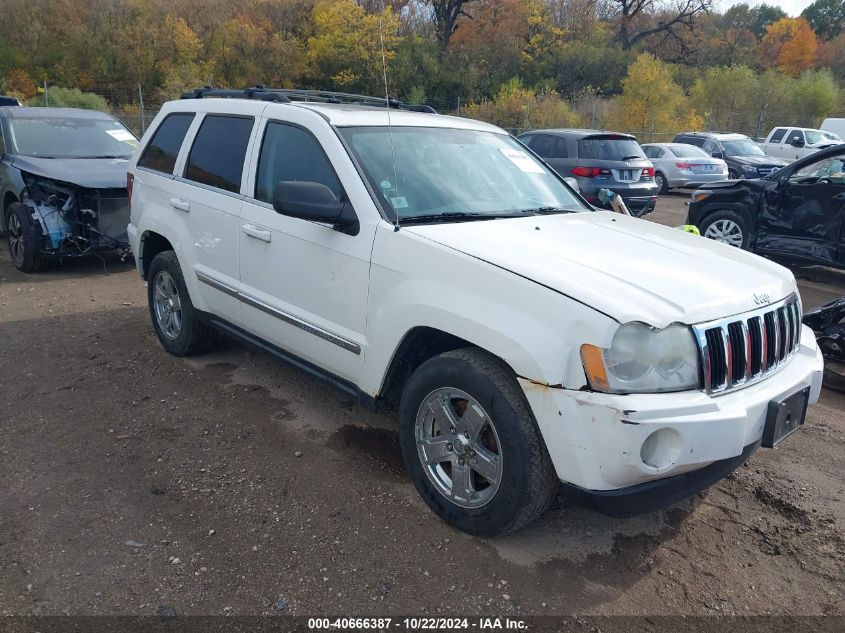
x=58 y=97
x=814 y=97
x=827 y=17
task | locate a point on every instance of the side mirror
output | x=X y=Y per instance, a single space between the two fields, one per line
x=315 y=202
x=797 y=142
x=717 y=154
x=573 y=184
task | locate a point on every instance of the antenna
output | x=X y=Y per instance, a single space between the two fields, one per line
x=389 y=127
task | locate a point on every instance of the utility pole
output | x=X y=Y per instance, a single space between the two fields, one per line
x=46 y=98
x=141 y=100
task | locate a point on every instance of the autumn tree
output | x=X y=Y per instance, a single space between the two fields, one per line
x=789 y=45
x=345 y=51
x=445 y=15
x=651 y=102
x=638 y=20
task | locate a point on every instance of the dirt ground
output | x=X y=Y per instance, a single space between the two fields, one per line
x=232 y=484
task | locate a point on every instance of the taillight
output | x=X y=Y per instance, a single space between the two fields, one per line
x=130 y=180
x=683 y=165
x=590 y=172
x=648 y=171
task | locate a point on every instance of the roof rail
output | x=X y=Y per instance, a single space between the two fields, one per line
x=287 y=95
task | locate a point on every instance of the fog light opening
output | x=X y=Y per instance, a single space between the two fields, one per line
x=661 y=449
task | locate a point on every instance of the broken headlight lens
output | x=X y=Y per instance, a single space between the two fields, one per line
x=642 y=359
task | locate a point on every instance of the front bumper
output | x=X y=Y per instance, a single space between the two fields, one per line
x=596 y=440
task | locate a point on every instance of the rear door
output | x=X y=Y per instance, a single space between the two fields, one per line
x=803 y=216
x=775 y=145
x=209 y=199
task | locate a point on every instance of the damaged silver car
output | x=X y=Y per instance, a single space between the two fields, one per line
x=63 y=183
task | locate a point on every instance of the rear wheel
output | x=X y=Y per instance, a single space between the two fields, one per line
x=660 y=181
x=728 y=227
x=24 y=240
x=471 y=445
x=174 y=318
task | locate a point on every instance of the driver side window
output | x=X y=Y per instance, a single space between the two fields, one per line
x=828 y=169
x=290 y=153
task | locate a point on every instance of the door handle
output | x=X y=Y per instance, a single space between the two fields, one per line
x=180 y=204
x=259 y=234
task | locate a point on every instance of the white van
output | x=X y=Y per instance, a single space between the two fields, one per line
x=835 y=126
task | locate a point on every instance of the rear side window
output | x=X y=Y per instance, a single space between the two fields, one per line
x=607 y=148
x=698 y=141
x=162 y=150
x=217 y=157
x=778 y=135
x=543 y=145
x=289 y=153
x=560 y=148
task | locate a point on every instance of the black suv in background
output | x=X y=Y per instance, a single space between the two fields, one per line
x=599 y=160
x=744 y=157
x=795 y=214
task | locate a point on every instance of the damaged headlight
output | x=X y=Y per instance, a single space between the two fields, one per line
x=642 y=359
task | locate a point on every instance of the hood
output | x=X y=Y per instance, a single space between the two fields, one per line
x=91 y=173
x=753 y=159
x=629 y=269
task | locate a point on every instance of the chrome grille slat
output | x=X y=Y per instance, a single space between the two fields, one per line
x=746 y=348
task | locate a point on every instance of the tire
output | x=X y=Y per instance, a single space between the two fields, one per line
x=175 y=321
x=732 y=175
x=662 y=185
x=24 y=239
x=728 y=227
x=484 y=400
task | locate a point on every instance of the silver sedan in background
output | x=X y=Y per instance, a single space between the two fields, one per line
x=678 y=166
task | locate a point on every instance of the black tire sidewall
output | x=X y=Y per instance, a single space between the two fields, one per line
x=664 y=188
x=519 y=438
x=183 y=344
x=733 y=216
x=33 y=258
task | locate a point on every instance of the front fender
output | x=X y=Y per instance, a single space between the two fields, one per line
x=416 y=282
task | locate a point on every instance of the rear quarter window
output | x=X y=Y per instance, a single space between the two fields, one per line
x=163 y=148
x=778 y=135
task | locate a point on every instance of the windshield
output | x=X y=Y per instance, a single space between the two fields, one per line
x=745 y=147
x=604 y=148
x=60 y=137
x=688 y=151
x=442 y=171
x=814 y=137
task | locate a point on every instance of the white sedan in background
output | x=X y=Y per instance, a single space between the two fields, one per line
x=678 y=165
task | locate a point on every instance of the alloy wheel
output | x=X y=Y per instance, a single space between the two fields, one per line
x=167 y=305
x=458 y=447
x=16 y=239
x=726 y=231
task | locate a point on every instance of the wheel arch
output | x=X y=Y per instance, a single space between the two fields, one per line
x=739 y=208
x=417 y=346
x=152 y=244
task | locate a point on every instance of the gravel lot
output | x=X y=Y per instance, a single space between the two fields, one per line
x=232 y=484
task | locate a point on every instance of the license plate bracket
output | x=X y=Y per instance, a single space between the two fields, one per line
x=784 y=417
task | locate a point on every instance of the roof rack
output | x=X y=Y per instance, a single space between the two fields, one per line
x=287 y=95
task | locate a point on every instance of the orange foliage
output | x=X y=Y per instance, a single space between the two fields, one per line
x=18 y=82
x=791 y=45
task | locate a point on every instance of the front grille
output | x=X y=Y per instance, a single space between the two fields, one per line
x=741 y=350
x=765 y=171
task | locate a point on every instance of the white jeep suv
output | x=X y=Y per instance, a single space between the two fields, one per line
x=435 y=266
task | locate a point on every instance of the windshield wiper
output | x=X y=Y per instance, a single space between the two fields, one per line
x=631 y=157
x=452 y=216
x=103 y=156
x=548 y=210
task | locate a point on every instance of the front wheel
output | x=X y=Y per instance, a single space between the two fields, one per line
x=471 y=445
x=24 y=240
x=728 y=227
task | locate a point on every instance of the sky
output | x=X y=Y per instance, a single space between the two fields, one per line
x=792 y=7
